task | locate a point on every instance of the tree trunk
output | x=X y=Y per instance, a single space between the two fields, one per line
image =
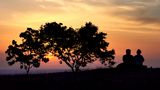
x=72 y=68
x=28 y=69
x=77 y=69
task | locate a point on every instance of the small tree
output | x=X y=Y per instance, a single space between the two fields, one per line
x=29 y=53
x=61 y=42
x=93 y=46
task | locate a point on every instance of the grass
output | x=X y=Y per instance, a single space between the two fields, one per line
x=106 y=79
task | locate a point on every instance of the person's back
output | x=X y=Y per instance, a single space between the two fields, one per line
x=139 y=59
x=128 y=58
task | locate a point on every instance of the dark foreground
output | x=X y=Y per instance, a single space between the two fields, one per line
x=101 y=79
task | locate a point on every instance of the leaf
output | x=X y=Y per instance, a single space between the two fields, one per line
x=83 y=64
x=11 y=62
x=25 y=67
x=36 y=63
x=9 y=58
x=14 y=42
x=29 y=29
x=21 y=66
x=60 y=62
x=45 y=60
x=22 y=34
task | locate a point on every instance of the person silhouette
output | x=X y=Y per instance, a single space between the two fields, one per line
x=128 y=61
x=139 y=59
x=128 y=58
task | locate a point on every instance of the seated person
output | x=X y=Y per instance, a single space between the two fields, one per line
x=139 y=59
x=128 y=58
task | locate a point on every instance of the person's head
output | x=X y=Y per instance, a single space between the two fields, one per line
x=128 y=51
x=138 y=52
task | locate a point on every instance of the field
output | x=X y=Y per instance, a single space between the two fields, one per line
x=99 y=79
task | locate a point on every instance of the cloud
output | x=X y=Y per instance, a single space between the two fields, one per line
x=12 y=10
x=10 y=7
x=96 y=3
x=143 y=11
x=26 y=5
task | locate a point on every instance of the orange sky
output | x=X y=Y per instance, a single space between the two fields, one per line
x=129 y=23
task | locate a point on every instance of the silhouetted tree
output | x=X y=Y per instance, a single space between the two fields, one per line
x=61 y=42
x=78 y=47
x=93 y=46
x=29 y=53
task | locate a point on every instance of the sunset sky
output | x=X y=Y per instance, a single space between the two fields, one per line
x=133 y=24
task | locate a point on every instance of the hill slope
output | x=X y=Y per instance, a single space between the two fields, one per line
x=94 y=79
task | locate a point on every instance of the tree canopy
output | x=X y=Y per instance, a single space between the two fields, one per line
x=74 y=47
x=29 y=53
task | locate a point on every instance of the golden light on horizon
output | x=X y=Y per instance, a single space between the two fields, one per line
x=50 y=56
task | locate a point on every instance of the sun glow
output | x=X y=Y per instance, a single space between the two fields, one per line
x=50 y=56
